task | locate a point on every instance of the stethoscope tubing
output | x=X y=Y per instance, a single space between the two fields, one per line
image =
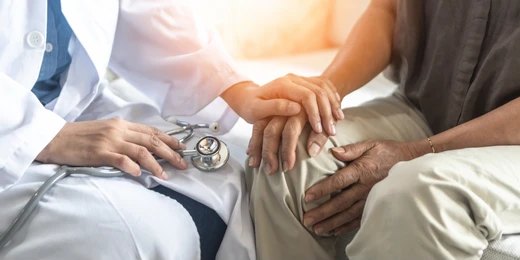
x=64 y=171
x=28 y=209
x=61 y=173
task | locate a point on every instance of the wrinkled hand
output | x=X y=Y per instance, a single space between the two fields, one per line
x=113 y=142
x=285 y=96
x=367 y=163
x=271 y=134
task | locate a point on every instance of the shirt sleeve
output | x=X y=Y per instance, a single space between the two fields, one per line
x=163 y=49
x=26 y=128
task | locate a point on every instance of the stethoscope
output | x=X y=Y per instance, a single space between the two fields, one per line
x=209 y=155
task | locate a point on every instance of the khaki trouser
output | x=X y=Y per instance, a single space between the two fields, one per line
x=439 y=206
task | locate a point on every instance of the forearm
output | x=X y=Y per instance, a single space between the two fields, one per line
x=498 y=127
x=233 y=94
x=367 y=50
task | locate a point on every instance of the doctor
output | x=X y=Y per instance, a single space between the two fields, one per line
x=53 y=57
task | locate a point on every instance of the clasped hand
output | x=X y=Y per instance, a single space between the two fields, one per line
x=130 y=146
x=367 y=163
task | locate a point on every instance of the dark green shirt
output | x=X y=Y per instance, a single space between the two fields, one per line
x=456 y=60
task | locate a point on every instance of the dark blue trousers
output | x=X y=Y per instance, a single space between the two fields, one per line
x=210 y=226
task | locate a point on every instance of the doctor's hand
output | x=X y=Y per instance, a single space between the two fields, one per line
x=367 y=163
x=280 y=134
x=284 y=96
x=113 y=142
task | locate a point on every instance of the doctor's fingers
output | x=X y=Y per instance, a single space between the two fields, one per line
x=285 y=87
x=271 y=143
x=333 y=95
x=264 y=108
x=254 y=149
x=318 y=97
x=154 y=144
x=327 y=99
x=143 y=157
x=119 y=161
x=154 y=133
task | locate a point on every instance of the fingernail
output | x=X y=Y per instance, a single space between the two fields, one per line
x=181 y=145
x=314 y=149
x=285 y=166
x=321 y=232
x=164 y=176
x=309 y=197
x=307 y=222
x=184 y=163
x=338 y=96
x=332 y=128
x=318 y=127
x=251 y=162
x=338 y=150
x=341 y=115
x=267 y=168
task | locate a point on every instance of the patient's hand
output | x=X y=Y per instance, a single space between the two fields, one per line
x=283 y=97
x=267 y=136
x=367 y=163
x=114 y=142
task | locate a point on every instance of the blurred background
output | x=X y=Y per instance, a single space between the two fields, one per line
x=270 y=38
x=254 y=29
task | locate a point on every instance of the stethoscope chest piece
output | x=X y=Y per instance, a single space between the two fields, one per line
x=213 y=154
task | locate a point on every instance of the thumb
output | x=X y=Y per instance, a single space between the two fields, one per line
x=275 y=107
x=351 y=152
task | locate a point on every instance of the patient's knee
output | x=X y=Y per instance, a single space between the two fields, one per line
x=287 y=189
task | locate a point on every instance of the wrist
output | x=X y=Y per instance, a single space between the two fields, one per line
x=237 y=94
x=419 y=148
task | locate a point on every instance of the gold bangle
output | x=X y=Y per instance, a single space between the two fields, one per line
x=431 y=144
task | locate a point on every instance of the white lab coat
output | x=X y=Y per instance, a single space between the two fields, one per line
x=170 y=56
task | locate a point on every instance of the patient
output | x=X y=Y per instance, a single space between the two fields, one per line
x=430 y=172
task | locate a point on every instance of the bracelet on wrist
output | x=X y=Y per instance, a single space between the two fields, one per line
x=431 y=144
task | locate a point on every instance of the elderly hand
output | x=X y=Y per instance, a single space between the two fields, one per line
x=283 y=97
x=114 y=142
x=269 y=134
x=367 y=163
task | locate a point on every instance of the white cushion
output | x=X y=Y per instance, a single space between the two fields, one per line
x=508 y=248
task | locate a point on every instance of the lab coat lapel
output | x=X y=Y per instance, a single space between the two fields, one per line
x=94 y=32
x=90 y=49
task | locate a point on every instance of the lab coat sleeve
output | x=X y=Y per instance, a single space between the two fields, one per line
x=26 y=127
x=162 y=48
